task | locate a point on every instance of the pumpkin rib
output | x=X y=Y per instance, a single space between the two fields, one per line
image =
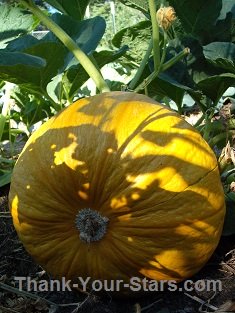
x=137 y=266
x=120 y=227
x=144 y=211
x=122 y=255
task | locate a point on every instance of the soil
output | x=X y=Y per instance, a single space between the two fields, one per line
x=15 y=262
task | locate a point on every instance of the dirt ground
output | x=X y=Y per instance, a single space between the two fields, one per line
x=15 y=261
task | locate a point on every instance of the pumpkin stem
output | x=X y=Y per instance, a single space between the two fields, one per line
x=91 y=224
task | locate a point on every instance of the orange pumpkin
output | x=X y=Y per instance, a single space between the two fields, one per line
x=118 y=186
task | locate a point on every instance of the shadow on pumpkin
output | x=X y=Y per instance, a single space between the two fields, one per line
x=164 y=222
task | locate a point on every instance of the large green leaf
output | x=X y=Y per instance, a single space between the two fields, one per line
x=137 y=37
x=215 y=86
x=228 y=7
x=74 y=8
x=221 y=54
x=224 y=28
x=20 y=68
x=175 y=90
x=13 y=23
x=192 y=68
x=22 y=43
x=87 y=33
x=34 y=67
x=54 y=54
x=165 y=86
x=197 y=17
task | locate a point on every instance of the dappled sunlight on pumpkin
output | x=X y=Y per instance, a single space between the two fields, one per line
x=14 y=208
x=83 y=195
x=125 y=218
x=65 y=155
x=118 y=202
x=137 y=164
x=195 y=231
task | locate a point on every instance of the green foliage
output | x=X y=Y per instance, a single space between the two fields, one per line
x=14 y=22
x=132 y=36
x=208 y=69
x=141 y=5
x=75 y=9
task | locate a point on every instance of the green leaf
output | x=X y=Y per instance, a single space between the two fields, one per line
x=224 y=28
x=166 y=86
x=16 y=58
x=34 y=67
x=165 y=79
x=215 y=86
x=137 y=38
x=5 y=177
x=22 y=43
x=55 y=88
x=33 y=108
x=194 y=67
x=73 y=8
x=20 y=68
x=87 y=33
x=227 y=7
x=221 y=54
x=197 y=17
x=14 y=22
x=54 y=54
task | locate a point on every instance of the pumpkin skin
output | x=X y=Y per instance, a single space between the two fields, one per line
x=137 y=163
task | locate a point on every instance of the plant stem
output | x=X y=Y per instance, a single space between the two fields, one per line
x=207 y=131
x=146 y=81
x=164 y=48
x=155 y=35
x=201 y=119
x=2 y=125
x=70 y=44
x=164 y=67
x=175 y=59
x=140 y=70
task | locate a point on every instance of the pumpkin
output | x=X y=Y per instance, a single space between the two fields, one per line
x=118 y=186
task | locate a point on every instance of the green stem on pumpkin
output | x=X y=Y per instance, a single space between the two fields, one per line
x=70 y=44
